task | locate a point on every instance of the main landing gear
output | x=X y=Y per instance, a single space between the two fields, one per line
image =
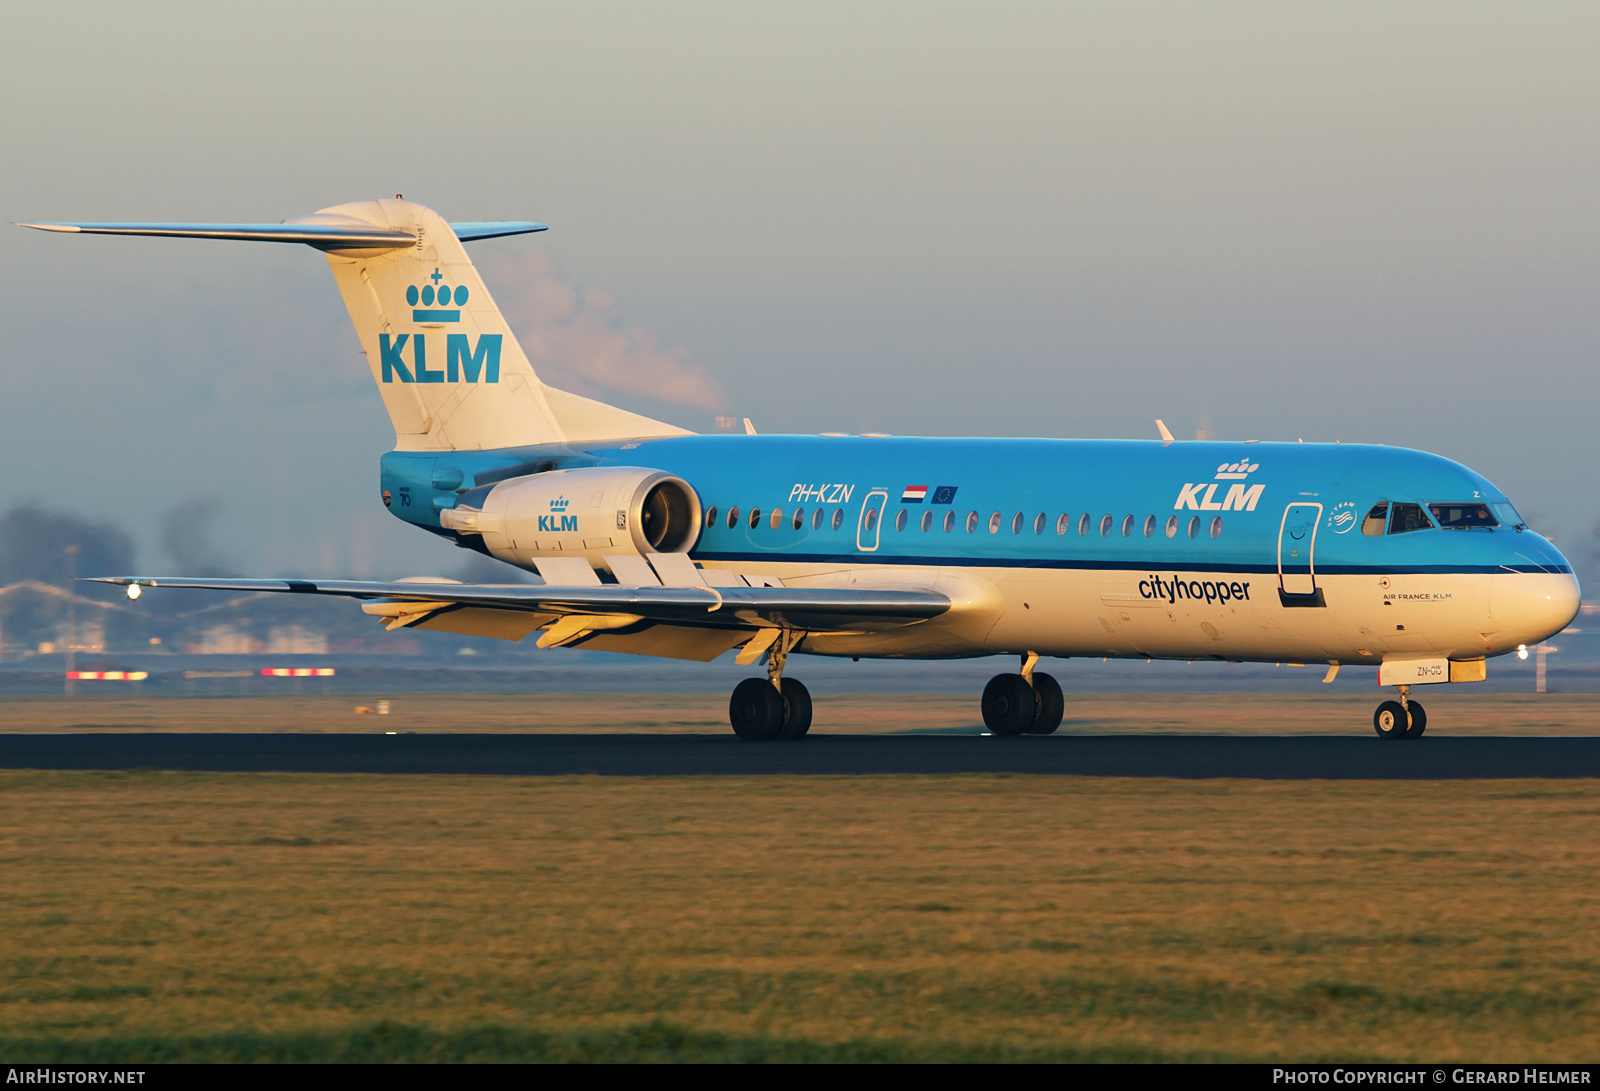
x=1030 y=703
x=762 y=710
x=1402 y=719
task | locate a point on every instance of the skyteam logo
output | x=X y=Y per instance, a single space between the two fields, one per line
x=558 y=523
x=1239 y=497
x=1343 y=517
x=435 y=300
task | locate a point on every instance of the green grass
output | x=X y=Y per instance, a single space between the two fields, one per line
x=152 y=916
x=648 y=1043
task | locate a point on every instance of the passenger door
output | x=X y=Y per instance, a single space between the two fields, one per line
x=870 y=524
x=1297 y=540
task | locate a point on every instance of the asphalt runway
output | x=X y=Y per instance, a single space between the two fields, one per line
x=1302 y=757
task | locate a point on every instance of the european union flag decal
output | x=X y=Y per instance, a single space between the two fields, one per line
x=944 y=494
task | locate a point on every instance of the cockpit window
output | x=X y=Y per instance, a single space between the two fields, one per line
x=1508 y=514
x=1376 y=519
x=1408 y=517
x=1462 y=516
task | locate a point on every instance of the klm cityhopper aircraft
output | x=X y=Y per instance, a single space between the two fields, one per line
x=656 y=541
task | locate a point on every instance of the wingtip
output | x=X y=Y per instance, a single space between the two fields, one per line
x=67 y=228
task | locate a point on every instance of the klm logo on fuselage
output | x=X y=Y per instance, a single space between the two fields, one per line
x=1202 y=496
x=558 y=523
x=463 y=361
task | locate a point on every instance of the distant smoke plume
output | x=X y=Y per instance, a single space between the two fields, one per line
x=34 y=546
x=187 y=532
x=575 y=342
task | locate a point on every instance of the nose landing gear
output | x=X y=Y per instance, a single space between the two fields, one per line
x=1029 y=703
x=1402 y=719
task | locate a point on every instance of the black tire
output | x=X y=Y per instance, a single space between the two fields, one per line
x=796 y=710
x=755 y=710
x=1419 y=721
x=1391 y=721
x=1049 y=705
x=1008 y=704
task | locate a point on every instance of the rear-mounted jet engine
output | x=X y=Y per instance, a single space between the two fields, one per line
x=588 y=512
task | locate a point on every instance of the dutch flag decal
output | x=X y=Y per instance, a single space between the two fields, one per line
x=914 y=494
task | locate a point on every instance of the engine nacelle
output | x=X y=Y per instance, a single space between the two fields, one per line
x=588 y=512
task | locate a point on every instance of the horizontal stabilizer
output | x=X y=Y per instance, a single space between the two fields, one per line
x=355 y=235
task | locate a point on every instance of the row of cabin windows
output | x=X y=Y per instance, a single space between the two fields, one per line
x=1063 y=523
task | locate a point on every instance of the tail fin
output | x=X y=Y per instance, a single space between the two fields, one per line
x=450 y=371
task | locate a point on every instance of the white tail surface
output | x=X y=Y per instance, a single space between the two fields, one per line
x=449 y=368
x=451 y=374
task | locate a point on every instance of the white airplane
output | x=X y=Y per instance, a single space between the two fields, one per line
x=655 y=541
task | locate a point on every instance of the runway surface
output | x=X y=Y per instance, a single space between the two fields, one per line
x=1301 y=757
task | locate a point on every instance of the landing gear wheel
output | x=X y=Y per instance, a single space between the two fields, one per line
x=796 y=710
x=1419 y=721
x=1049 y=705
x=1391 y=721
x=1008 y=704
x=756 y=710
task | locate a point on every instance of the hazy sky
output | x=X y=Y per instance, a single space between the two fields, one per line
x=1373 y=222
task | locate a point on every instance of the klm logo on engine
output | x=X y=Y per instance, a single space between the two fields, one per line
x=463 y=361
x=1238 y=497
x=557 y=523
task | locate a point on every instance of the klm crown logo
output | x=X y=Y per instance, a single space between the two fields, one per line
x=431 y=302
x=559 y=523
x=1202 y=496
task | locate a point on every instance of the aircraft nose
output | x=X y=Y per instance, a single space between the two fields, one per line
x=1536 y=605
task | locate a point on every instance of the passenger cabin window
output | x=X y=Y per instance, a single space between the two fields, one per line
x=1016 y=523
x=1376 y=519
x=1463 y=516
x=799 y=518
x=711 y=517
x=1408 y=517
x=1216 y=527
x=927 y=521
x=777 y=518
x=972 y=521
x=816 y=519
x=838 y=518
x=1062 y=524
x=949 y=521
x=1149 y=526
x=1106 y=523
x=1038 y=523
x=1127 y=526
x=994 y=523
x=1172 y=526
x=733 y=518
x=872 y=518
x=1083 y=525
x=900 y=519
x=1194 y=526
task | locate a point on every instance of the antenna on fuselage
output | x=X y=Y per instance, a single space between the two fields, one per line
x=1166 y=436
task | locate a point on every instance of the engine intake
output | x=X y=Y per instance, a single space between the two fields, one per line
x=588 y=512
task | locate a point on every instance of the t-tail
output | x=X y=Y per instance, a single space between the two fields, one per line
x=450 y=370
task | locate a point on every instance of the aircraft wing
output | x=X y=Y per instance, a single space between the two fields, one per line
x=571 y=615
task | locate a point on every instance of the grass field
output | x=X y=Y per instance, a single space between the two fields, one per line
x=1451 y=710
x=252 y=917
